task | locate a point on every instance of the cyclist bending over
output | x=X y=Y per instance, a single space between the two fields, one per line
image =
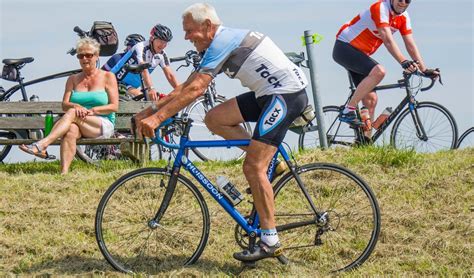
x=276 y=98
x=361 y=37
x=151 y=51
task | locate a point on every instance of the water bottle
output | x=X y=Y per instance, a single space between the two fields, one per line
x=48 y=122
x=382 y=118
x=365 y=117
x=229 y=190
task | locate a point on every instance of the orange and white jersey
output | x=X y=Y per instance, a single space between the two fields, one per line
x=362 y=31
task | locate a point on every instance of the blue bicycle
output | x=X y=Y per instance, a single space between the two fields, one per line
x=155 y=219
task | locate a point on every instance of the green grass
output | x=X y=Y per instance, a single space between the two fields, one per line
x=47 y=220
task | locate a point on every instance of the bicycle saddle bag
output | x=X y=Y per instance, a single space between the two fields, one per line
x=104 y=32
x=10 y=73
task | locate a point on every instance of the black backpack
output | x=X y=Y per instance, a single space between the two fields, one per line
x=104 y=32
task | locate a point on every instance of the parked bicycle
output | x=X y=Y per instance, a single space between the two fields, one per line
x=422 y=126
x=12 y=72
x=155 y=219
x=466 y=139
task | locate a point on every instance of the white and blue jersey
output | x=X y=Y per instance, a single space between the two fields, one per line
x=138 y=54
x=255 y=60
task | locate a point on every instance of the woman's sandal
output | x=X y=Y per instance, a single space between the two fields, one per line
x=35 y=150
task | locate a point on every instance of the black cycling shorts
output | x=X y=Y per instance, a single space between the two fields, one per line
x=272 y=113
x=355 y=61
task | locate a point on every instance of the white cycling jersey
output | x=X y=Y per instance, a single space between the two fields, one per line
x=255 y=60
x=138 y=54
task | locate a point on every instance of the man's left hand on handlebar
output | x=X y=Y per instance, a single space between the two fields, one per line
x=146 y=127
x=432 y=73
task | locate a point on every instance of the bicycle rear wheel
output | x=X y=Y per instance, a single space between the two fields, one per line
x=466 y=140
x=127 y=238
x=5 y=149
x=338 y=133
x=438 y=123
x=345 y=234
x=197 y=111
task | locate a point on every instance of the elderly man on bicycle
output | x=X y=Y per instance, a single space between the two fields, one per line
x=361 y=37
x=277 y=96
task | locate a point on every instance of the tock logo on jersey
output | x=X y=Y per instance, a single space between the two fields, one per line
x=274 y=114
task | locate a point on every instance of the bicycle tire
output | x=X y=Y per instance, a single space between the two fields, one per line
x=338 y=133
x=438 y=123
x=121 y=224
x=352 y=225
x=5 y=149
x=466 y=139
x=197 y=111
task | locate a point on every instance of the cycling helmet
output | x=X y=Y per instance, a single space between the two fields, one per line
x=133 y=39
x=161 y=32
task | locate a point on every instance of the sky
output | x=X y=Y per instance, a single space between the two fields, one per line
x=443 y=31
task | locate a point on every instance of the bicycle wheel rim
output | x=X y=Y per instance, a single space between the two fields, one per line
x=438 y=123
x=353 y=218
x=466 y=140
x=5 y=149
x=199 y=131
x=338 y=134
x=134 y=247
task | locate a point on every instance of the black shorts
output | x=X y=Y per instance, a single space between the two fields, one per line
x=272 y=113
x=355 y=61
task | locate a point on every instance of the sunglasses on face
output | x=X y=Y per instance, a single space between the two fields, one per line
x=406 y=1
x=84 y=55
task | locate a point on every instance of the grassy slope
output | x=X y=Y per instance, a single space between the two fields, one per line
x=46 y=220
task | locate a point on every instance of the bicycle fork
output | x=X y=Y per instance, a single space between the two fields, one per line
x=420 y=130
x=155 y=221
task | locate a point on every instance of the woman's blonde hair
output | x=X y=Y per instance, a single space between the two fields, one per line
x=202 y=11
x=88 y=42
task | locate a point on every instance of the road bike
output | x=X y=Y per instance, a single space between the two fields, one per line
x=422 y=126
x=12 y=72
x=156 y=219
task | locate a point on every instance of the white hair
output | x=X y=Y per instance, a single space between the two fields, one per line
x=88 y=42
x=202 y=11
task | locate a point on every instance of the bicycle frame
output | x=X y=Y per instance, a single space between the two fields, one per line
x=249 y=225
x=409 y=100
x=21 y=85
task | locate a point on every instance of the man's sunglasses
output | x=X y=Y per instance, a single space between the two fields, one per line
x=406 y=1
x=84 y=55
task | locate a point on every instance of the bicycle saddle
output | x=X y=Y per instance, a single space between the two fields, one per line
x=137 y=68
x=16 y=62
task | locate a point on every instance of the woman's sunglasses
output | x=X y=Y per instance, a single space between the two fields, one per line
x=84 y=55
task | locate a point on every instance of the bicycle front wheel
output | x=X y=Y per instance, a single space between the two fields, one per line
x=466 y=139
x=129 y=239
x=5 y=149
x=437 y=122
x=343 y=233
x=338 y=133
x=199 y=131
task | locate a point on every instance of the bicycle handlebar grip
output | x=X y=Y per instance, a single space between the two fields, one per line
x=177 y=59
x=79 y=31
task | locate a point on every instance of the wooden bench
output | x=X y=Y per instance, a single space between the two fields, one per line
x=16 y=116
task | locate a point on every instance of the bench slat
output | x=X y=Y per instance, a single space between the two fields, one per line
x=37 y=122
x=40 y=107
x=84 y=141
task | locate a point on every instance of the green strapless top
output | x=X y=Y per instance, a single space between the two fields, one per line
x=92 y=99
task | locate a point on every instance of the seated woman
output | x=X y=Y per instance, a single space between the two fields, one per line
x=90 y=102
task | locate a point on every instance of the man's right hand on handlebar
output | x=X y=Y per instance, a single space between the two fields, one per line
x=432 y=73
x=409 y=66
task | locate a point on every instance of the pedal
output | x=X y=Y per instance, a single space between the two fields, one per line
x=51 y=157
x=250 y=264
x=283 y=259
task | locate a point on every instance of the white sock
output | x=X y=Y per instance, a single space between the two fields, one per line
x=270 y=236
x=348 y=109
